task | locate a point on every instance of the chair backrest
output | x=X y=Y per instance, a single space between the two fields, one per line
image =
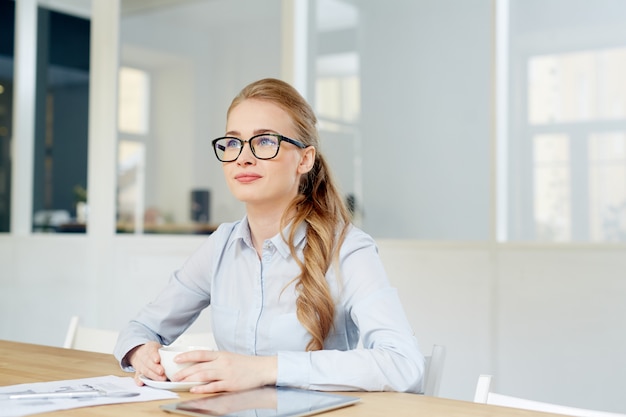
x=484 y=395
x=434 y=371
x=86 y=338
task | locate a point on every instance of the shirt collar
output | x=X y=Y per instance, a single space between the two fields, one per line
x=242 y=233
x=282 y=247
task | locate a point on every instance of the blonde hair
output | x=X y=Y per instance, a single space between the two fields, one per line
x=319 y=204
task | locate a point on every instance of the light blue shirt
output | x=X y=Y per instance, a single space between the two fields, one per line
x=253 y=312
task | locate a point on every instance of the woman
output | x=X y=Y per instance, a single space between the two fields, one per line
x=293 y=286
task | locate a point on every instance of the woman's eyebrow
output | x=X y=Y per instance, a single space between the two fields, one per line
x=255 y=132
x=260 y=131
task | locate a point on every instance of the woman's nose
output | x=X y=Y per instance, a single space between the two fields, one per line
x=246 y=157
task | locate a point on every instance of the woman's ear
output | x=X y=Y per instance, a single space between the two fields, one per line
x=307 y=160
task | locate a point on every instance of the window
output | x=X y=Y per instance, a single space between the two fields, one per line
x=607 y=187
x=134 y=99
x=567 y=123
x=61 y=127
x=552 y=208
x=579 y=174
x=133 y=126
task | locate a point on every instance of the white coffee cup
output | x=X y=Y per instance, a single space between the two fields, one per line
x=168 y=353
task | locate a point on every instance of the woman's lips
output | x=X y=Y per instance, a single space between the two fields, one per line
x=247 y=177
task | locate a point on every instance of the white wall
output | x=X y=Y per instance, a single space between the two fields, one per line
x=548 y=322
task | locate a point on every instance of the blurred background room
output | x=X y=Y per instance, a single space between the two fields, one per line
x=482 y=143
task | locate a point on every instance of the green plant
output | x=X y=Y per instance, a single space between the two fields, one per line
x=80 y=193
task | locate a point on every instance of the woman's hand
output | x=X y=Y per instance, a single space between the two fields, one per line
x=226 y=371
x=147 y=362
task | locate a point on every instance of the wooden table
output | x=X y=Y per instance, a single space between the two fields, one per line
x=27 y=363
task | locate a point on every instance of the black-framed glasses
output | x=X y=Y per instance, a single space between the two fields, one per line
x=263 y=146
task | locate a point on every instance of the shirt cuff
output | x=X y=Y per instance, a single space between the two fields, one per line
x=294 y=369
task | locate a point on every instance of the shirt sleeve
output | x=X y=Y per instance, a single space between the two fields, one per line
x=166 y=317
x=388 y=358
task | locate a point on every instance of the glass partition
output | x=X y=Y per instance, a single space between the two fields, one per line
x=405 y=127
x=408 y=100
x=337 y=94
x=181 y=64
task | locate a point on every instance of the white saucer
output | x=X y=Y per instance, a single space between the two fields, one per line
x=169 y=385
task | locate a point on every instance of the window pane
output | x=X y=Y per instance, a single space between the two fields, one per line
x=607 y=184
x=130 y=185
x=7 y=27
x=60 y=165
x=564 y=127
x=337 y=96
x=552 y=188
x=575 y=87
x=134 y=99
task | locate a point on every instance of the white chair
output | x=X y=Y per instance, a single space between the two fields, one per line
x=484 y=395
x=86 y=338
x=433 y=371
